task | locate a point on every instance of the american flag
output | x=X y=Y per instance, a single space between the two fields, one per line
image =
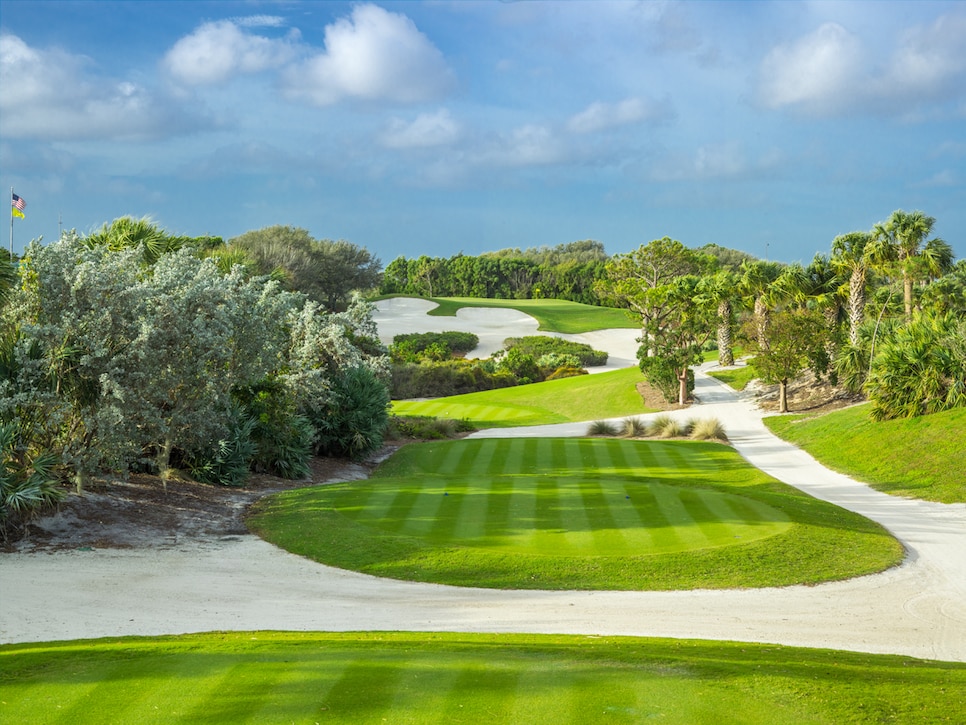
x=18 y=202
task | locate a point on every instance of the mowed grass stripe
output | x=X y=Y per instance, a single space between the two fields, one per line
x=365 y=689
x=241 y=694
x=491 y=685
x=609 y=539
x=423 y=515
x=518 y=520
x=578 y=532
x=403 y=677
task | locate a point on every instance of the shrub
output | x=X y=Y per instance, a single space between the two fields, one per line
x=353 y=422
x=282 y=438
x=602 y=428
x=544 y=345
x=440 y=379
x=228 y=461
x=566 y=372
x=661 y=374
x=27 y=482
x=416 y=346
x=427 y=428
x=708 y=429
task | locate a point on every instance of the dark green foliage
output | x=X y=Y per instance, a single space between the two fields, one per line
x=565 y=272
x=328 y=272
x=422 y=427
x=728 y=259
x=450 y=377
x=27 y=481
x=661 y=373
x=353 y=422
x=541 y=345
x=227 y=462
x=521 y=365
x=416 y=346
x=282 y=438
x=920 y=370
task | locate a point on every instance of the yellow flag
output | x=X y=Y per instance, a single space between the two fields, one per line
x=16 y=212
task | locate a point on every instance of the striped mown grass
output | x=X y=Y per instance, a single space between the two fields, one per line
x=564 y=513
x=281 y=677
x=585 y=397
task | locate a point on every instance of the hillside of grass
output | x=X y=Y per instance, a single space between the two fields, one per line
x=553 y=315
x=568 y=400
x=575 y=513
x=921 y=457
x=736 y=378
x=310 y=677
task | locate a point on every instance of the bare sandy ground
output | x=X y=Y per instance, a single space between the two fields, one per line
x=242 y=583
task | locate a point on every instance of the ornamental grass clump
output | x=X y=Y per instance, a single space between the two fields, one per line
x=634 y=428
x=708 y=429
x=664 y=426
x=602 y=428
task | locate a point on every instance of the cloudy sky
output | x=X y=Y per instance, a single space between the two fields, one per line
x=439 y=127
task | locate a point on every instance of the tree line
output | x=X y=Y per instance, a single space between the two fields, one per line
x=566 y=272
x=129 y=349
x=882 y=314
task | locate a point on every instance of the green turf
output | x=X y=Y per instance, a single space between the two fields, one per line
x=553 y=315
x=565 y=513
x=585 y=397
x=913 y=457
x=275 y=677
x=737 y=378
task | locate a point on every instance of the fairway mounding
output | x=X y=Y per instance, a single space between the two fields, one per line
x=570 y=513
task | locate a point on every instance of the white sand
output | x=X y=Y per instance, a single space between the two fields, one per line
x=243 y=583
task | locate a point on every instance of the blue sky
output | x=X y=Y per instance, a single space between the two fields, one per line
x=442 y=127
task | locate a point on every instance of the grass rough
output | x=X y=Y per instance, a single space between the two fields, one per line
x=911 y=457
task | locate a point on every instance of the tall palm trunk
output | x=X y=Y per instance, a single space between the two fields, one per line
x=726 y=355
x=856 y=303
x=761 y=321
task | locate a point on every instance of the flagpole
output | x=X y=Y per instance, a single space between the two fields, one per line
x=11 y=225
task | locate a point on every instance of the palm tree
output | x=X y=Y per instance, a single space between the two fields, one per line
x=852 y=255
x=721 y=289
x=129 y=233
x=902 y=239
x=754 y=283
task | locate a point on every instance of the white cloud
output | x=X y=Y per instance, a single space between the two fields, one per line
x=372 y=55
x=930 y=61
x=260 y=21
x=425 y=131
x=817 y=72
x=726 y=160
x=600 y=116
x=529 y=145
x=52 y=94
x=216 y=52
x=830 y=72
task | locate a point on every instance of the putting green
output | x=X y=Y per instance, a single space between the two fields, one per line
x=575 y=513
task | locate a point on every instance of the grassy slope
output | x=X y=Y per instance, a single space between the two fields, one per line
x=553 y=315
x=585 y=397
x=272 y=677
x=737 y=378
x=575 y=514
x=914 y=457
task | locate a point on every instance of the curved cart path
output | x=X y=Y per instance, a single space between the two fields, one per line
x=244 y=583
